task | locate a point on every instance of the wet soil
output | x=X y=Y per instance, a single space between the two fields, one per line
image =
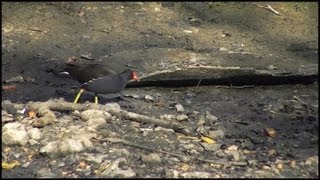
x=38 y=38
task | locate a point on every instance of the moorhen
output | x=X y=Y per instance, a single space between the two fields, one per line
x=100 y=79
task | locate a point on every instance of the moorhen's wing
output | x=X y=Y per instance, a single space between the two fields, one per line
x=88 y=72
x=114 y=83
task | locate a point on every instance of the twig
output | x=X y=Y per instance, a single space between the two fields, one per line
x=298 y=99
x=236 y=87
x=269 y=8
x=61 y=105
x=198 y=85
x=147 y=148
x=35 y=29
x=272 y=10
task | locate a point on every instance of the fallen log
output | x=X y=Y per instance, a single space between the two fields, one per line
x=62 y=105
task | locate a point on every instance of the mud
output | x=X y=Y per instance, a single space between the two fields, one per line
x=38 y=38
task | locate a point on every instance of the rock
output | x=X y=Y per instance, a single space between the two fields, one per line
x=211 y=147
x=65 y=146
x=45 y=173
x=167 y=116
x=196 y=174
x=171 y=173
x=15 y=125
x=70 y=145
x=159 y=128
x=113 y=106
x=240 y=163
x=61 y=164
x=201 y=121
x=222 y=49
x=95 y=158
x=247 y=144
x=96 y=122
x=234 y=154
x=179 y=107
x=113 y=170
x=120 y=152
x=272 y=153
x=218 y=134
x=135 y=96
x=34 y=133
x=257 y=139
x=211 y=119
x=149 y=98
x=6 y=117
x=192 y=149
x=84 y=139
x=18 y=78
x=51 y=147
x=153 y=158
x=94 y=114
x=14 y=133
x=33 y=142
x=314 y=160
x=194 y=21
x=25 y=165
x=182 y=117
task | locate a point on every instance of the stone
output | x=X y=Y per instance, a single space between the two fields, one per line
x=218 y=134
x=34 y=133
x=113 y=106
x=211 y=147
x=151 y=158
x=94 y=114
x=113 y=170
x=196 y=174
x=211 y=119
x=179 y=107
x=148 y=97
x=96 y=122
x=14 y=134
x=182 y=117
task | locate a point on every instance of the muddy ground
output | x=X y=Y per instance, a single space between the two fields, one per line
x=272 y=59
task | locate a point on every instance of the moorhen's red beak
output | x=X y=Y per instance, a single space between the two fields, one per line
x=135 y=76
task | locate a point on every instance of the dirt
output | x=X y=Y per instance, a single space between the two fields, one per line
x=38 y=38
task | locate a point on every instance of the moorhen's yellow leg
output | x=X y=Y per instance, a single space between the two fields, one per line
x=96 y=98
x=78 y=95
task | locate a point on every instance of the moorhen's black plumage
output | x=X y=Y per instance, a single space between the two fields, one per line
x=100 y=79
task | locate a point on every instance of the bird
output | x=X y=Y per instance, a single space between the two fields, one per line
x=100 y=78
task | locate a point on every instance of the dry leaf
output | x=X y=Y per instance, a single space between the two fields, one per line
x=272 y=152
x=293 y=164
x=207 y=140
x=279 y=166
x=6 y=149
x=160 y=104
x=82 y=165
x=8 y=87
x=32 y=114
x=81 y=13
x=72 y=59
x=184 y=167
x=232 y=148
x=9 y=166
x=271 y=132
